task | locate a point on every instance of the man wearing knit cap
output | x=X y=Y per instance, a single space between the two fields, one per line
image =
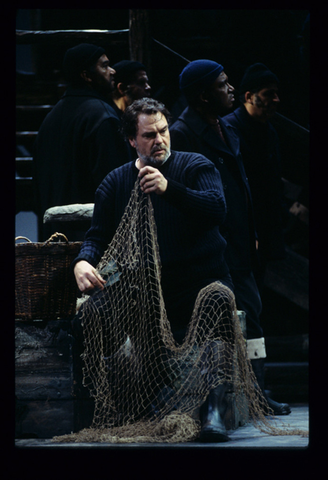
x=259 y=145
x=200 y=128
x=261 y=156
x=79 y=141
x=130 y=83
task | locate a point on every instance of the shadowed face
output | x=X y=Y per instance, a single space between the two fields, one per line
x=102 y=75
x=265 y=102
x=139 y=87
x=219 y=95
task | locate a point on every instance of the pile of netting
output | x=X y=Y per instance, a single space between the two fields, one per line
x=146 y=387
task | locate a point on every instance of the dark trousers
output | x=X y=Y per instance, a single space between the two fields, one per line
x=248 y=299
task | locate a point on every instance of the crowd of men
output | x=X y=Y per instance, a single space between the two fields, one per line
x=215 y=173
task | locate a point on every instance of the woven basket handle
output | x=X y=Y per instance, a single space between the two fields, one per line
x=56 y=235
x=23 y=238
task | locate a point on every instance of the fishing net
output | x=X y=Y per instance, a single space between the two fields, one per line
x=147 y=387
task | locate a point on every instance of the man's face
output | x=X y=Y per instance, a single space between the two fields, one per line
x=152 y=141
x=102 y=75
x=220 y=95
x=139 y=87
x=265 y=102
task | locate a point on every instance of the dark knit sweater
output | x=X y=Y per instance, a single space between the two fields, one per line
x=188 y=218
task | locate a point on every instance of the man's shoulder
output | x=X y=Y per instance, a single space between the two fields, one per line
x=90 y=100
x=232 y=117
x=99 y=105
x=186 y=119
x=188 y=158
x=117 y=174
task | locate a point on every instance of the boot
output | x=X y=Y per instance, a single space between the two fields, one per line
x=278 y=408
x=211 y=416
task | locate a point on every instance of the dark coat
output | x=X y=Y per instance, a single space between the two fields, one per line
x=259 y=146
x=77 y=145
x=191 y=133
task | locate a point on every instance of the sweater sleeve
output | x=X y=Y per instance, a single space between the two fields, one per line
x=102 y=227
x=202 y=196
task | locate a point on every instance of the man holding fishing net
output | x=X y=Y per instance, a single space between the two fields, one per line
x=152 y=265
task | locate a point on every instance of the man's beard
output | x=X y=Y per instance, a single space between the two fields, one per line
x=153 y=161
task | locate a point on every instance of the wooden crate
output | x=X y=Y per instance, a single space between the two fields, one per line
x=43 y=380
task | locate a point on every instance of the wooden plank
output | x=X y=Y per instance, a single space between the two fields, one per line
x=40 y=349
x=47 y=386
x=33 y=108
x=20 y=135
x=43 y=419
x=26 y=37
x=43 y=379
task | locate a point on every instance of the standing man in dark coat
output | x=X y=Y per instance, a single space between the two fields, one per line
x=79 y=141
x=201 y=129
x=259 y=146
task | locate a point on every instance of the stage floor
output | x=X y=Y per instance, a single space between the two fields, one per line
x=246 y=436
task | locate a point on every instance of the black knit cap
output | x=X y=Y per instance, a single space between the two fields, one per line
x=257 y=76
x=198 y=75
x=80 y=57
x=125 y=68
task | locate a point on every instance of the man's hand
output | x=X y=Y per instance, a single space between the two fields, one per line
x=152 y=180
x=87 y=277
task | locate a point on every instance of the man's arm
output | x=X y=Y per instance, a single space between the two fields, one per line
x=87 y=277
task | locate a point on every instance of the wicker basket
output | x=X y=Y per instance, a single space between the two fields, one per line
x=44 y=285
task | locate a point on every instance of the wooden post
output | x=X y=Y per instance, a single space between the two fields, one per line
x=139 y=37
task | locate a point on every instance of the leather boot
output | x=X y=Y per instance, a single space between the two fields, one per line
x=278 y=408
x=211 y=416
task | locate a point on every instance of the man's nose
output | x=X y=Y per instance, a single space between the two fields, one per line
x=158 y=138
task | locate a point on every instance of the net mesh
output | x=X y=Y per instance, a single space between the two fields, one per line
x=146 y=386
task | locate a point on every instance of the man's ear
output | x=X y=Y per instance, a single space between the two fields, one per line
x=249 y=97
x=203 y=97
x=86 y=76
x=121 y=88
x=132 y=142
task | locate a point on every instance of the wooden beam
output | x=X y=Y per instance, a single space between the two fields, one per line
x=139 y=38
x=27 y=37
